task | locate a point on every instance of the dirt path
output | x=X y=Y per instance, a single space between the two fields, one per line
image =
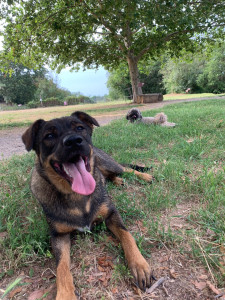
x=10 y=139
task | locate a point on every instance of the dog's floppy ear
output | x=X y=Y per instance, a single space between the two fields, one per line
x=90 y=121
x=30 y=134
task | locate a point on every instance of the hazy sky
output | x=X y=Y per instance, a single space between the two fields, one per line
x=89 y=82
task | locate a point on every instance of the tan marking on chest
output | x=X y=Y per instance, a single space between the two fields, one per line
x=76 y=212
x=63 y=228
x=101 y=213
x=88 y=206
x=92 y=161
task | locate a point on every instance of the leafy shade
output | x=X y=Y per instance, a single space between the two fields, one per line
x=66 y=33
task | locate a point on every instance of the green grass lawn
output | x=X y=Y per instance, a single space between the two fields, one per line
x=188 y=166
x=15 y=118
x=27 y=116
x=189 y=96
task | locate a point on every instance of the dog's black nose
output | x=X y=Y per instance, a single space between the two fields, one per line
x=72 y=140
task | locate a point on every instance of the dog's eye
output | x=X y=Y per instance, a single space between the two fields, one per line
x=79 y=128
x=49 y=136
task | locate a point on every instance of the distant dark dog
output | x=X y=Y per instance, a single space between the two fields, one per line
x=69 y=182
x=160 y=119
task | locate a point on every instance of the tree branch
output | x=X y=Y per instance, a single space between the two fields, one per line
x=170 y=36
x=107 y=26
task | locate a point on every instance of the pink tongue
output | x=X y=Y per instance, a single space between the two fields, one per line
x=83 y=182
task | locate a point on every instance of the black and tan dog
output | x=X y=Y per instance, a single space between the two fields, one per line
x=69 y=182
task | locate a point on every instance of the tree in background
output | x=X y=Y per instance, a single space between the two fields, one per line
x=118 y=83
x=182 y=73
x=47 y=88
x=150 y=75
x=20 y=86
x=199 y=72
x=23 y=85
x=212 y=78
x=99 y=32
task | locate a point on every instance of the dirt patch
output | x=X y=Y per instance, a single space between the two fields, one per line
x=95 y=273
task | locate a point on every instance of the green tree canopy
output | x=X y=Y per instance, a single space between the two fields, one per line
x=201 y=72
x=182 y=73
x=20 y=86
x=47 y=88
x=213 y=77
x=104 y=32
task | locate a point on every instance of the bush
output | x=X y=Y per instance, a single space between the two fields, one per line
x=33 y=104
x=53 y=101
x=179 y=75
x=73 y=100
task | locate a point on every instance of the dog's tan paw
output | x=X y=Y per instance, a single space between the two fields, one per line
x=145 y=176
x=141 y=271
x=66 y=296
x=118 y=181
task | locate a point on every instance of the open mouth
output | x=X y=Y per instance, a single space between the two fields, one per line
x=77 y=173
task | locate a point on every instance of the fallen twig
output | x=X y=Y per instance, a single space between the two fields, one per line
x=155 y=285
x=165 y=290
x=212 y=288
x=219 y=296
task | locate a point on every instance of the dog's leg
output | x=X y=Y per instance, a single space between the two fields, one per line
x=111 y=169
x=145 y=176
x=64 y=279
x=138 y=265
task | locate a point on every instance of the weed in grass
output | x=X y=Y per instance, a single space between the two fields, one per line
x=209 y=254
x=11 y=286
x=159 y=236
x=120 y=272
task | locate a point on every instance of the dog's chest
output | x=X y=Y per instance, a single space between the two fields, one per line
x=76 y=213
x=66 y=213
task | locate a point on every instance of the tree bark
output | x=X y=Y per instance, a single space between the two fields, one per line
x=133 y=69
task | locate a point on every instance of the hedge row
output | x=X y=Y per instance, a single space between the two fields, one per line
x=53 y=101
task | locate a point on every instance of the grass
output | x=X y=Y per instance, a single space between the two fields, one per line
x=188 y=96
x=23 y=118
x=188 y=166
x=18 y=118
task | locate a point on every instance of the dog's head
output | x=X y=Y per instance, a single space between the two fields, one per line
x=133 y=115
x=64 y=150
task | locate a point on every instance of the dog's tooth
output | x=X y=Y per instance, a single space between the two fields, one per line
x=66 y=170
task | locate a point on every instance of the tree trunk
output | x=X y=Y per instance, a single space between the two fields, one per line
x=133 y=69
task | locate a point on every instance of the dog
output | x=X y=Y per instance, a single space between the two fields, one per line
x=160 y=119
x=68 y=180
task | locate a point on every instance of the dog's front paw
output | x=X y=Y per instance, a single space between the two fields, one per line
x=118 y=181
x=140 y=269
x=146 y=177
x=66 y=296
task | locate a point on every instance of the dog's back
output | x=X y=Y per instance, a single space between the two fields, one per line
x=160 y=118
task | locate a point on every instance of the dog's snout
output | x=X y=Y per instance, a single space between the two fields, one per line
x=72 y=140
